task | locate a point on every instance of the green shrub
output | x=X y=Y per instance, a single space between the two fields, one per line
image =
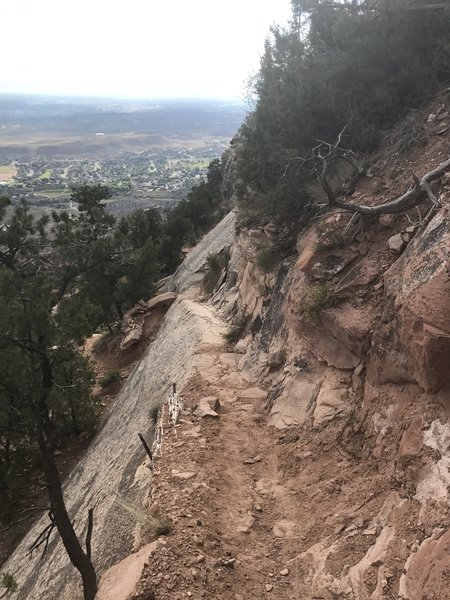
x=267 y=259
x=7 y=581
x=212 y=274
x=110 y=377
x=237 y=329
x=317 y=297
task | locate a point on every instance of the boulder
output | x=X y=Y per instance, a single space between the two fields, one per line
x=277 y=358
x=326 y=347
x=165 y=299
x=419 y=285
x=295 y=403
x=120 y=580
x=332 y=398
x=131 y=337
x=207 y=407
x=425 y=574
x=361 y=275
x=323 y=263
x=326 y=264
x=349 y=325
x=412 y=441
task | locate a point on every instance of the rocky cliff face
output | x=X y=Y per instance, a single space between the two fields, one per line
x=312 y=456
x=363 y=389
x=362 y=394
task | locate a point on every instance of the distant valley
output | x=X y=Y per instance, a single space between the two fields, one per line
x=149 y=152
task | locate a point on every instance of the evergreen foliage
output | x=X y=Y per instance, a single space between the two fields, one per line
x=61 y=277
x=356 y=63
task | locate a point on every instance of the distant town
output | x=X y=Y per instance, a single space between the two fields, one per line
x=157 y=177
x=147 y=153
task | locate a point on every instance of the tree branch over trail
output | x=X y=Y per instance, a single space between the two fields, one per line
x=326 y=156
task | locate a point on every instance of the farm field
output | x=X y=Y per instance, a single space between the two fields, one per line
x=7 y=173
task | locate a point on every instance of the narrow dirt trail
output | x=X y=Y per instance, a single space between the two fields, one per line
x=235 y=519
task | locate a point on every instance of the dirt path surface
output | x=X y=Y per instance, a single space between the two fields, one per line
x=260 y=512
x=239 y=521
x=220 y=482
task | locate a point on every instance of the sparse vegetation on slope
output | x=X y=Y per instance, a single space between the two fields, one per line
x=60 y=279
x=359 y=65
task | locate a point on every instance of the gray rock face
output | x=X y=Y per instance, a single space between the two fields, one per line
x=113 y=472
x=190 y=272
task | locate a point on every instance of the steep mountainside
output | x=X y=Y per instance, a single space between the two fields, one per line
x=325 y=474
x=311 y=459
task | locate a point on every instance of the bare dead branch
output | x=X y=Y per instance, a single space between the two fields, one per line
x=43 y=537
x=146 y=448
x=402 y=203
x=90 y=528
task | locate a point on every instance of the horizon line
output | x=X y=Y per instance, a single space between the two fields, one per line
x=128 y=98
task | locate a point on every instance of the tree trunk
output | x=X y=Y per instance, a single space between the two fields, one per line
x=77 y=556
x=45 y=438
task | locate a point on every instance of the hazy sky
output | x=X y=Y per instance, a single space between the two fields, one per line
x=134 y=48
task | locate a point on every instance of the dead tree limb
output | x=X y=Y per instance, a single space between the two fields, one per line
x=326 y=156
x=410 y=199
x=43 y=537
x=90 y=528
x=146 y=448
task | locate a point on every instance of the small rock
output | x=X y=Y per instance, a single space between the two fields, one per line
x=268 y=587
x=371 y=530
x=431 y=118
x=406 y=237
x=387 y=220
x=185 y=475
x=226 y=562
x=396 y=243
x=246 y=524
x=284 y=572
x=207 y=407
x=252 y=461
x=200 y=559
x=258 y=507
